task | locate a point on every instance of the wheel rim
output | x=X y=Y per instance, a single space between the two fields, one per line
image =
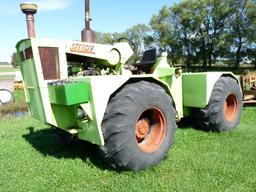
x=230 y=107
x=150 y=130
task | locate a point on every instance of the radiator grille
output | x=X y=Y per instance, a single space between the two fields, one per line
x=49 y=57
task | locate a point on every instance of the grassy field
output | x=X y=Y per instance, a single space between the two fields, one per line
x=8 y=70
x=32 y=158
x=6 y=77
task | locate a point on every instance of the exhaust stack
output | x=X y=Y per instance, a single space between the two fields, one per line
x=87 y=33
x=29 y=9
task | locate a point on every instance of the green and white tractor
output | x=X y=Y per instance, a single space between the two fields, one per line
x=89 y=91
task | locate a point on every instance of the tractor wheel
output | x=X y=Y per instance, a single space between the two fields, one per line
x=224 y=108
x=138 y=127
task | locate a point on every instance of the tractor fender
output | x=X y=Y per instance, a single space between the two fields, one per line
x=103 y=88
x=151 y=79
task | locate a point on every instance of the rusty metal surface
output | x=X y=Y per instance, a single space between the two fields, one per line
x=87 y=34
x=248 y=84
x=29 y=9
x=87 y=14
x=31 y=25
x=49 y=57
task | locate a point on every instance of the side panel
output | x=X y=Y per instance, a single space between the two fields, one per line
x=31 y=84
x=194 y=88
x=197 y=87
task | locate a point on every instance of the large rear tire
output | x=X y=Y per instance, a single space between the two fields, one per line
x=224 y=108
x=138 y=127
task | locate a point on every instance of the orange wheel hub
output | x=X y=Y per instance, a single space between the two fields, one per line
x=230 y=107
x=150 y=130
x=142 y=128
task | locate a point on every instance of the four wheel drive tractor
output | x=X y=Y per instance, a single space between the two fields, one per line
x=87 y=90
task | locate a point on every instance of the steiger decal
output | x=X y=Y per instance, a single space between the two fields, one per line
x=82 y=48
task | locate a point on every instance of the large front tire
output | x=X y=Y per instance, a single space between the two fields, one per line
x=138 y=127
x=224 y=108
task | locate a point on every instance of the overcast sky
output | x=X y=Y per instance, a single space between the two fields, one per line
x=64 y=19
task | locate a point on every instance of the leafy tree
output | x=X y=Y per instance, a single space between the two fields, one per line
x=207 y=32
x=15 y=61
x=104 y=38
x=242 y=29
x=163 y=34
x=161 y=27
x=136 y=34
x=184 y=30
x=198 y=32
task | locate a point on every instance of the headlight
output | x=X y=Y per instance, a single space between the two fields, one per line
x=81 y=114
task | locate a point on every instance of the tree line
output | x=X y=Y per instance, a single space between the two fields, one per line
x=199 y=33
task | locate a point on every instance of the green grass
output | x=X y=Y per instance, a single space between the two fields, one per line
x=6 y=77
x=2 y=69
x=32 y=158
x=6 y=70
x=19 y=96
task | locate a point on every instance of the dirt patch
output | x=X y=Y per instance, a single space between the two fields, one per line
x=14 y=109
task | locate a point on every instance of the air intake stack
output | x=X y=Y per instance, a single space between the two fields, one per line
x=87 y=33
x=29 y=9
